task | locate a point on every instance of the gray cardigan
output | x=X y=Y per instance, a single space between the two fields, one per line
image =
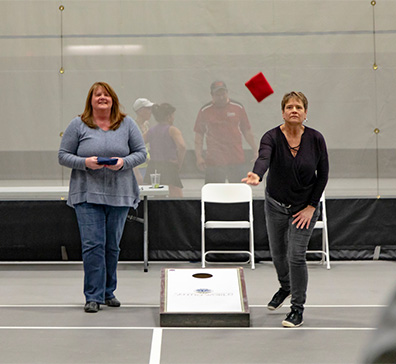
x=102 y=186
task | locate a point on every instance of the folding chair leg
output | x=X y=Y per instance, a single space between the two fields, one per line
x=252 y=248
x=326 y=247
x=203 y=249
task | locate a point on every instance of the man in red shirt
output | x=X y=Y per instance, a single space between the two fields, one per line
x=223 y=122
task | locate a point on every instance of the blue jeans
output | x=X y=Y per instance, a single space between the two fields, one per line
x=288 y=246
x=101 y=229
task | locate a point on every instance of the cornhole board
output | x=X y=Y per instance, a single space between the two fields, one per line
x=204 y=298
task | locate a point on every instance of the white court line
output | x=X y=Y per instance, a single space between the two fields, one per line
x=157 y=306
x=67 y=306
x=185 y=328
x=74 y=328
x=157 y=332
x=156 y=343
x=328 y=306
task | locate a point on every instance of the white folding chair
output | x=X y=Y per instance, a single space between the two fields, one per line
x=225 y=193
x=322 y=224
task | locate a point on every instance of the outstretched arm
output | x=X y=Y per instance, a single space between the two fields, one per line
x=252 y=179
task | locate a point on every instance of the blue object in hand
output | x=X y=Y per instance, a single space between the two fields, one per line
x=107 y=161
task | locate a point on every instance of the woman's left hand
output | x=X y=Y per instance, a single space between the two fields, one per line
x=117 y=166
x=303 y=218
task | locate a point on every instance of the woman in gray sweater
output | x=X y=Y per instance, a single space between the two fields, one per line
x=102 y=146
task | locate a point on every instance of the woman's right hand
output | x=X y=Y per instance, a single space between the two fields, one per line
x=252 y=179
x=92 y=163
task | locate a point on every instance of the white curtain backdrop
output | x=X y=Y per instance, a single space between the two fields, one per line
x=171 y=51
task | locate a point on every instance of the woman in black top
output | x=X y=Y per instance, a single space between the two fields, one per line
x=297 y=163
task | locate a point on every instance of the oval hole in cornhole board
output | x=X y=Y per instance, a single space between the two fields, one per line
x=202 y=275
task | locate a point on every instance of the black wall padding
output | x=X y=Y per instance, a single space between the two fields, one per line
x=37 y=230
x=357 y=226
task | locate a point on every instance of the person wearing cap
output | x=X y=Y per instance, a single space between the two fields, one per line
x=222 y=122
x=142 y=109
x=298 y=167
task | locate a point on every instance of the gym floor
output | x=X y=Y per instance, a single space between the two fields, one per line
x=42 y=318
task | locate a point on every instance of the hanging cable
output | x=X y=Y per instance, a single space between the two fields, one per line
x=376 y=130
x=375 y=66
x=61 y=8
x=61 y=72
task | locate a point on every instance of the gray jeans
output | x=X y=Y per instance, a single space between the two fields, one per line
x=288 y=246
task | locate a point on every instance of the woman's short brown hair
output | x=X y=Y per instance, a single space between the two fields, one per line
x=294 y=95
x=116 y=115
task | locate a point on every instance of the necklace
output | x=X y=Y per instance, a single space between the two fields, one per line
x=294 y=149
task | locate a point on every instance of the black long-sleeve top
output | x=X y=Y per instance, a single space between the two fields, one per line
x=294 y=180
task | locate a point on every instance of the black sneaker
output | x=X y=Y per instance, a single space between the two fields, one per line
x=91 y=307
x=278 y=299
x=293 y=319
x=112 y=302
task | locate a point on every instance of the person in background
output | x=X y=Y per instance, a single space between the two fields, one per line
x=298 y=167
x=223 y=122
x=142 y=109
x=167 y=149
x=101 y=194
